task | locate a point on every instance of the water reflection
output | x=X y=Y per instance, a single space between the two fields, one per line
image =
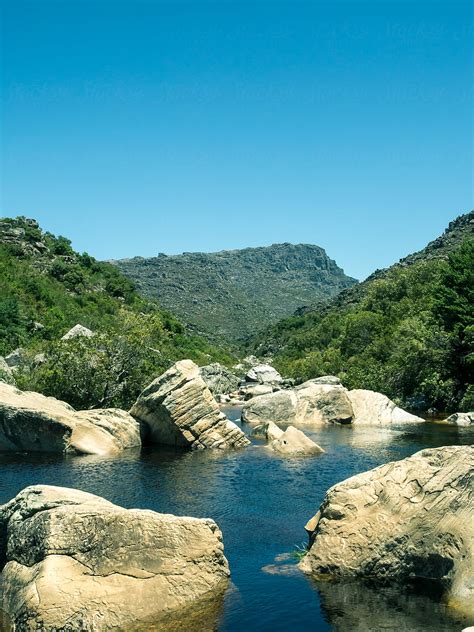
x=360 y=606
x=202 y=616
x=261 y=503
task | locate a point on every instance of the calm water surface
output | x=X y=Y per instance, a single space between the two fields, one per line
x=261 y=502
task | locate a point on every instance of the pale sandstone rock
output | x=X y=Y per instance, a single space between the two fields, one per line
x=310 y=403
x=293 y=442
x=461 y=419
x=73 y=561
x=263 y=374
x=32 y=422
x=371 y=408
x=255 y=390
x=178 y=409
x=268 y=431
x=407 y=519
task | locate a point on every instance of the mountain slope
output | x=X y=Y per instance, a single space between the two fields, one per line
x=234 y=293
x=46 y=288
x=407 y=331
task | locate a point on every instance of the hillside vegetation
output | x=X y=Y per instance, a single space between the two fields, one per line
x=407 y=331
x=46 y=288
x=232 y=294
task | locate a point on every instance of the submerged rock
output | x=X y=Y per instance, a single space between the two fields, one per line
x=310 y=403
x=32 y=422
x=293 y=442
x=404 y=520
x=461 y=419
x=373 y=408
x=268 y=431
x=178 y=409
x=74 y=561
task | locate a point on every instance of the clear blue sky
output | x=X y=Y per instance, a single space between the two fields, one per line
x=142 y=127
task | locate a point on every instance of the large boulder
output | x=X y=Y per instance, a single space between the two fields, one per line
x=404 y=520
x=263 y=374
x=310 y=403
x=178 y=409
x=371 y=408
x=219 y=380
x=73 y=561
x=461 y=419
x=32 y=422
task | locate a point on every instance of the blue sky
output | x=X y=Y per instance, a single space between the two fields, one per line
x=142 y=127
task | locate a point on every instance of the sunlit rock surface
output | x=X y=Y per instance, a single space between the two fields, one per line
x=407 y=519
x=310 y=403
x=73 y=561
x=461 y=419
x=293 y=442
x=32 y=422
x=178 y=409
x=324 y=400
x=371 y=408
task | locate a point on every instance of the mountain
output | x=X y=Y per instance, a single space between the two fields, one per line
x=46 y=288
x=407 y=331
x=235 y=293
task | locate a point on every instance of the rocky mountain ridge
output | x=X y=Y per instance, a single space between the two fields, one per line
x=235 y=293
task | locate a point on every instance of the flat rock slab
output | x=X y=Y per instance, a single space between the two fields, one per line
x=404 y=520
x=178 y=409
x=35 y=423
x=73 y=561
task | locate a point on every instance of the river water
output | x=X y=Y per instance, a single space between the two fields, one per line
x=261 y=502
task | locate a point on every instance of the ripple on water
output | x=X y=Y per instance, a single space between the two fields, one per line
x=261 y=502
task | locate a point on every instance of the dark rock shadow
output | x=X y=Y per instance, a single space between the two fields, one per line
x=362 y=606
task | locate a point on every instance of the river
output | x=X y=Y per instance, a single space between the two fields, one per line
x=261 y=502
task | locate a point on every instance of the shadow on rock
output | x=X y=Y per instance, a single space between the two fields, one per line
x=203 y=616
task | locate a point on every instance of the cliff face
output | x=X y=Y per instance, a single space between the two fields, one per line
x=235 y=293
